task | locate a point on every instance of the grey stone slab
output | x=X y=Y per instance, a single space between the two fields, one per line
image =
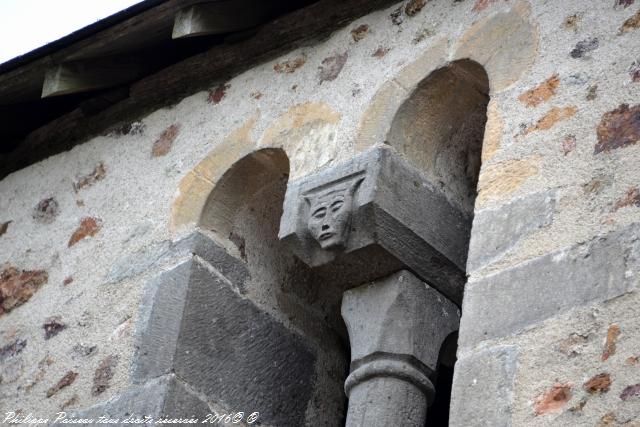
x=483 y=388
x=512 y=300
x=232 y=268
x=378 y=198
x=158 y=254
x=180 y=402
x=239 y=355
x=159 y=322
x=496 y=231
x=149 y=257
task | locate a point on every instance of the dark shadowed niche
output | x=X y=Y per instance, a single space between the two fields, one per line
x=440 y=130
x=289 y=345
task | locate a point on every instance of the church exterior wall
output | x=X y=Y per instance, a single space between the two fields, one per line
x=549 y=332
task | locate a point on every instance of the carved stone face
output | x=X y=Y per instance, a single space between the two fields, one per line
x=329 y=217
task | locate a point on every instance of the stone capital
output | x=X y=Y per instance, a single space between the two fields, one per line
x=378 y=199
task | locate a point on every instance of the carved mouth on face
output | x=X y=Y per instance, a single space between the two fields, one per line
x=326 y=235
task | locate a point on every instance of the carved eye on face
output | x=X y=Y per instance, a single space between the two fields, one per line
x=320 y=213
x=335 y=206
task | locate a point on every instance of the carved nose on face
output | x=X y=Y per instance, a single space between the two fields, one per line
x=325 y=227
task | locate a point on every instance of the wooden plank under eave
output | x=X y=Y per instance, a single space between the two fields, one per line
x=84 y=76
x=220 y=17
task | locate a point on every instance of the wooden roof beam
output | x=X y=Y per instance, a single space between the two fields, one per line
x=93 y=74
x=220 y=17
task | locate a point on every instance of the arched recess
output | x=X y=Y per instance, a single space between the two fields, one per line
x=439 y=128
x=242 y=213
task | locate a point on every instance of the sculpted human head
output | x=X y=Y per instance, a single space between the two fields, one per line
x=330 y=215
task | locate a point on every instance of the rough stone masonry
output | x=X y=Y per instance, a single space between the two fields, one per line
x=142 y=271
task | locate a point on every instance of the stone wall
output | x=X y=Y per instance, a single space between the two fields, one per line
x=549 y=332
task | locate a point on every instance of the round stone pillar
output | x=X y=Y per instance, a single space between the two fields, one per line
x=396 y=327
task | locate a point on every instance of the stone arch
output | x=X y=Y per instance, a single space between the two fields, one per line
x=434 y=115
x=299 y=355
x=242 y=181
x=238 y=321
x=439 y=129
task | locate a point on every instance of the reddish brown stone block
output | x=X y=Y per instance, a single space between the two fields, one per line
x=380 y=52
x=482 y=5
x=4 y=226
x=541 y=93
x=618 y=128
x=65 y=381
x=216 y=95
x=598 y=384
x=552 y=117
x=290 y=66
x=631 y=198
x=163 y=144
x=104 y=374
x=414 y=6
x=359 y=32
x=610 y=345
x=553 y=400
x=96 y=175
x=88 y=227
x=17 y=287
x=332 y=66
x=630 y=24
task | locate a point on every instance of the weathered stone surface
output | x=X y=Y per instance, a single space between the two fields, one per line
x=504 y=62
x=399 y=314
x=46 y=211
x=483 y=384
x=239 y=355
x=396 y=328
x=88 y=227
x=103 y=374
x=493 y=131
x=541 y=93
x=18 y=286
x=164 y=397
x=65 y=381
x=501 y=179
x=159 y=323
x=551 y=117
x=163 y=144
x=156 y=255
x=618 y=128
x=514 y=299
x=98 y=174
x=553 y=400
x=496 y=231
x=394 y=206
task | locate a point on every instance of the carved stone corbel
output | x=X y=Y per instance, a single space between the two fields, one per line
x=378 y=199
x=396 y=327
